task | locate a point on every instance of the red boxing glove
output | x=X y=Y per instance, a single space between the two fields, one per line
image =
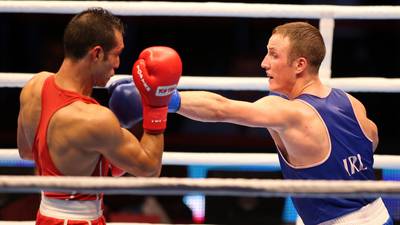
x=156 y=75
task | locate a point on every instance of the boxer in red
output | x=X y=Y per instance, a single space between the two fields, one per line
x=68 y=133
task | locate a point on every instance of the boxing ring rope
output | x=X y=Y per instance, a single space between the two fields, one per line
x=209 y=186
x=205 y=9
x=351 y=84
x=10 y=157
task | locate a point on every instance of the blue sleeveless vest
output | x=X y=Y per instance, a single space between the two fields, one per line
x=351 y=158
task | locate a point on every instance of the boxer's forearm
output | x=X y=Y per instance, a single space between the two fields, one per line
x=203 y=106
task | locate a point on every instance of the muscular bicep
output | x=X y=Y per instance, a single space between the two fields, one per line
x=24 y=148
x=271 y=111
x=124 y=150
x=268 y=112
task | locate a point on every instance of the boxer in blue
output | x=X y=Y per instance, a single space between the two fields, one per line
x=320 y=132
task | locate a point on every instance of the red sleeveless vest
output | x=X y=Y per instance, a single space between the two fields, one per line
x=53 y=99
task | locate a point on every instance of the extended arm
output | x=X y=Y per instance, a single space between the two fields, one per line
x=204 y=106
x=271 y=111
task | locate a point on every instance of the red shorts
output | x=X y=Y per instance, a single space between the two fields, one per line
x=44 y=220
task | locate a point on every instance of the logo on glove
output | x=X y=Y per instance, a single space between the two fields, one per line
x=140 y=72
x=165 y=90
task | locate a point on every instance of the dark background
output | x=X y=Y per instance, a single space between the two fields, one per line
x=30 y=43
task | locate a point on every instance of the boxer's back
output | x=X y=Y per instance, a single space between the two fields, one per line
x=66 y=127
x=30 y=110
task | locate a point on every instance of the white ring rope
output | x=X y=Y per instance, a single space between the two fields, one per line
x=207 y=186
x=225 y=159
x=205 y=9
x=351 y=84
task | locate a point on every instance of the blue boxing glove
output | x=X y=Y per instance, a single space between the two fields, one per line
x=116 y=83
x=126 y=103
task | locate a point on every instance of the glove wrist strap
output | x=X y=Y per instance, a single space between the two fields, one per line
x=154 y=119
x=175 y=102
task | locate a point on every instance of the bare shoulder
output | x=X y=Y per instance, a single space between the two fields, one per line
x=88 y=116
x=30 y=97
x=34 y=86
x=282 y=112
x=368 y=126
x=99 y=116
x=278 y=103
x=293 y=109
x=92 y=125
x=38 y=78
x=359 y=108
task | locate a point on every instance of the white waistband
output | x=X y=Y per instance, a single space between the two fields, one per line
x=72 y=210
x=372 y=214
